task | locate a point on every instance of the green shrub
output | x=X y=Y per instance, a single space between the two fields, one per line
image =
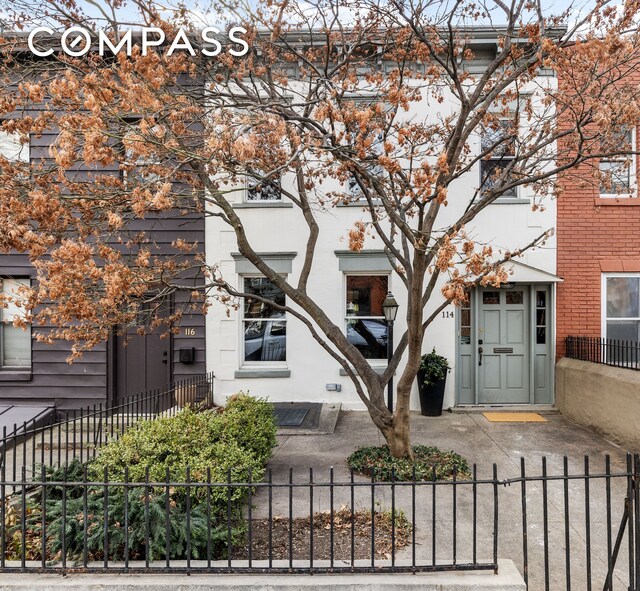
x=238 y=439
x=146 y=510
x=250 y=422
x=235 y=442
x=146 y=515
x=379 y=462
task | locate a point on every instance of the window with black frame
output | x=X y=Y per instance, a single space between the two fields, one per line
x=364 y=318
x=372 y=169
x=263 y=176
x=264 y=324
x=376 y=147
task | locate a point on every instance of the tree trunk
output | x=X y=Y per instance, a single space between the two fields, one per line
x=399 y=438
x=399 y=435
x=398 y=432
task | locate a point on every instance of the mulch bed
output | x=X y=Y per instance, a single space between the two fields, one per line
x=342 y=528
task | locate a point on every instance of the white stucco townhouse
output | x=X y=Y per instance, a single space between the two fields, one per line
x=501 y=347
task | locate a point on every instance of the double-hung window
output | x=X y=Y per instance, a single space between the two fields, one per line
x=364 y=319
x=138 y=156
x=375 y=149
x=12 y=148
x=264 y=325
x=373 y=169
x=15 y=341
x=621 y=316
x=622 y=307
x=617 y=175
x=498 y=145
x=261 y=185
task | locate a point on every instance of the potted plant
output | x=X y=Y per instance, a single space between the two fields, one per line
x=432 y=377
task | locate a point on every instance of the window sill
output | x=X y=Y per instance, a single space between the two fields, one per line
x=511 y=201
x=379 y=369
x=262 y=372
x=15 y=375
x=360 y=203
x=617 y=200
x=261 y=204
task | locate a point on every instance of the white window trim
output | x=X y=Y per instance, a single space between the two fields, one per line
x=15 y=368
x=375 y=363
x=517 y=190
x=130 y=178
x=633 y=165
x=353 y=190
x=603 y=300
x=23 y=151
x=242 y=364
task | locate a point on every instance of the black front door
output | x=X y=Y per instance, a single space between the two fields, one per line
x=142 y=362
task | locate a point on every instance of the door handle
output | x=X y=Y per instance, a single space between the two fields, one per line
x=479 y=355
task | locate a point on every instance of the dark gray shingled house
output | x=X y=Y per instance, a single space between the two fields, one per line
x=38 y=374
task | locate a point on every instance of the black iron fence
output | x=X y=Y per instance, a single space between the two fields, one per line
x=606 y=351
x=79 y=433
x=564 y=526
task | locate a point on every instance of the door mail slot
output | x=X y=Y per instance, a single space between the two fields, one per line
x=503 y=349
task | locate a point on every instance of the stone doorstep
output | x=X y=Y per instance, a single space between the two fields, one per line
x=329 y=413
x=542 y=409
x=507 y=579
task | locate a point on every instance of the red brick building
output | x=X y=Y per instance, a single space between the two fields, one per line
x=598 y=233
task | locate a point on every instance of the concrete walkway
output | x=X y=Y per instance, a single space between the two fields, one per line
x=470 y=434
x=482 y=443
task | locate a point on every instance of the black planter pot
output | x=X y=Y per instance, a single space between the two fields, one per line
x=431 y=397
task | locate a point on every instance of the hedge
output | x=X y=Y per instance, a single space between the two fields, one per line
x=236 y=441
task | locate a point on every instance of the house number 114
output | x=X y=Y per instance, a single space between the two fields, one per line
x=447 y=314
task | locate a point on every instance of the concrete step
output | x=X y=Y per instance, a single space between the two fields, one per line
x=473 y=408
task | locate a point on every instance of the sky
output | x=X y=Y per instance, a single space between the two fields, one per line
x=212 y=13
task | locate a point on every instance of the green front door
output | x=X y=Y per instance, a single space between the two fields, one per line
x=503 y=346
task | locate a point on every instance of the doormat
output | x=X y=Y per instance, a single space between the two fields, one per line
x=290 y=417
x=297 y=416
x=514 y=417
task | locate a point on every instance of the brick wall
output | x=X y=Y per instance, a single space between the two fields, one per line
x=594 y=236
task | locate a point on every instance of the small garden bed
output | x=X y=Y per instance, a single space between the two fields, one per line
x=342 y=527
x=377 y=462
